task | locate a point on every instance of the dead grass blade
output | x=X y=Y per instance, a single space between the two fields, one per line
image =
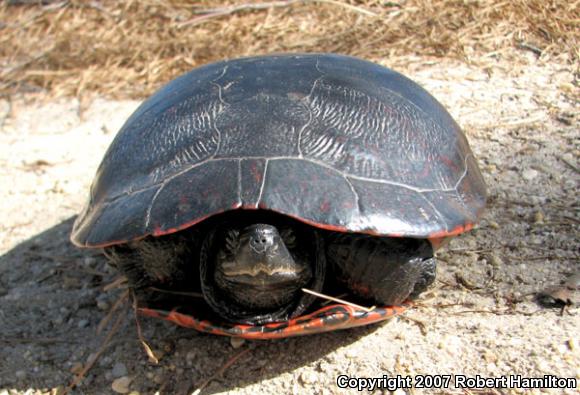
x=128 y=49
x=337 y=300
x=152 y=357
x=109 y=315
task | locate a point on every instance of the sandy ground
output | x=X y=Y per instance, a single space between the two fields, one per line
x=479 y=318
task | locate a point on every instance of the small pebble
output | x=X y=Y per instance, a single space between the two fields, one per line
x=561 y=348
x=190 y=356
x=14 y=294
x=490 y=357
x=121 y=385
x=529 y=174
x=237 y=342
x=495 y=260
x=89 y=260
x=351 y=353
x=105 y=361
x=158 y=378
x=260 y=363
x=83 y=323
x=326 y=367
x=71 y=283
x=538 y=217
x=167 y=346
x=308 y=377
x=102 y=305
x=119 y=370
x=543 y=365
x=451 y=344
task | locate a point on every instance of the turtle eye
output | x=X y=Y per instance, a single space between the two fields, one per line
x=288 y=237
x=232 y=241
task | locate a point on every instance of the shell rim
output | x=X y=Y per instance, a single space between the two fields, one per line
x=459 y=229
x=328 y=318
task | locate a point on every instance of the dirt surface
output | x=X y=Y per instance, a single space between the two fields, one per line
x=479 y=318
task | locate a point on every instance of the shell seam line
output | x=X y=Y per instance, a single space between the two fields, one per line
x=356 y=196
x=459 y=196
x=150 y=207
x=464 y=172
x=354 y=177
x=240 y=181
x=263 y=183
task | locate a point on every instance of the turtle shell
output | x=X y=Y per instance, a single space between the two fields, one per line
x=334 y=141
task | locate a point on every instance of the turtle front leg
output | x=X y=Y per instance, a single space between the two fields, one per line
x=385 y=270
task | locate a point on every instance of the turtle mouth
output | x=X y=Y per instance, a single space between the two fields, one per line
x=261 y=291
x=264 y=281
x=262 y=270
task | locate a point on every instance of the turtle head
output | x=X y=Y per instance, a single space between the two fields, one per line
x=256 y=269
x=254 y=264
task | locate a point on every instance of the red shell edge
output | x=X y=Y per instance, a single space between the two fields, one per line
x=328 y=318
x=435 y=238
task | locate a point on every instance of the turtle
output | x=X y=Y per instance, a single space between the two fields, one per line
x=243 y=189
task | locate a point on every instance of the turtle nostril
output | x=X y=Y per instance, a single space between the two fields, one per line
x=261 y=242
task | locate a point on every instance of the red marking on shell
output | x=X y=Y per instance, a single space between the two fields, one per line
x=448 y=162
x=325 y=206
x=256 y=173
x=347 y=204
x=424 y=172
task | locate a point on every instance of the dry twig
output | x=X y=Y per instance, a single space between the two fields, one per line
x=80 y=376
x=221 y=370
